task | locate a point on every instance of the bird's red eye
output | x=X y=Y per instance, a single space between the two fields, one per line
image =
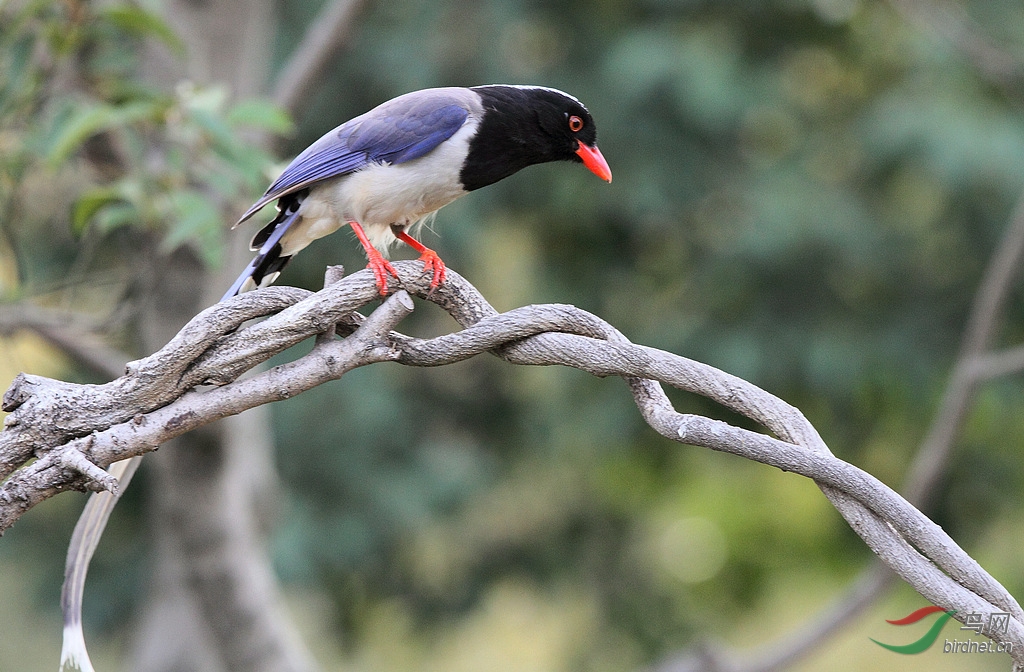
x=575 y=124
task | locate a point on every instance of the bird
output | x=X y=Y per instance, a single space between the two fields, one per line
x=386 y=172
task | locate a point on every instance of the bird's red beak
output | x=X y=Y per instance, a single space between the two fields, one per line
x=593 y=160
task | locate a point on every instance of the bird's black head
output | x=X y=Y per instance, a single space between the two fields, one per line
x=524 y=125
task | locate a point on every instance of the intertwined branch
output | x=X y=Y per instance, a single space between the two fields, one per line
x=74 y=431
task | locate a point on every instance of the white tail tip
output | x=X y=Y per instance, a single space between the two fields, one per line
x=73 y=655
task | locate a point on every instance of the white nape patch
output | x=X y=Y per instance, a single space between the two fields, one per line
x=544 y=88
x=73 y=654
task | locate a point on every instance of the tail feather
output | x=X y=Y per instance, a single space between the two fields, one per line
x=261 y=271
x=85 y=538
x=269 y=261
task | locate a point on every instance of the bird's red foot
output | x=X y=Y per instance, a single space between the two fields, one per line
x=381 y=270
x=433 y=264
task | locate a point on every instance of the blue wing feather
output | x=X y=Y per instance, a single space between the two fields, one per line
x=405 y=134
x=400 y=130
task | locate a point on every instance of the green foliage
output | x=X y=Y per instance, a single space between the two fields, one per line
x=138 y=22
x=77 y=123
x=159 y=161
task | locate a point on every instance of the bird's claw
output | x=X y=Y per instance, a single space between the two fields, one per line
x=381 y=268
x=432 y=264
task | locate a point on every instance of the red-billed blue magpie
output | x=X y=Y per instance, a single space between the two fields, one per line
x=384 y=172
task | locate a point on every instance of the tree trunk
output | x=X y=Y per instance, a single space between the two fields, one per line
x=214 y=603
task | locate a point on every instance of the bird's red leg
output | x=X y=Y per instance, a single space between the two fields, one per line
x=431 y=262
x=377 y=263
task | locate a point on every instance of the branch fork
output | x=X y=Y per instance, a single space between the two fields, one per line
x=72 y=456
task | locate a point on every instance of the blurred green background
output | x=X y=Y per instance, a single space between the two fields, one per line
x=806 y=194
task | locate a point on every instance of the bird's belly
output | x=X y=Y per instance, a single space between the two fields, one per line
x=317 y=219
x=382 y=195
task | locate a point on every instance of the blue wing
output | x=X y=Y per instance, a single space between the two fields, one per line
x=397 y=131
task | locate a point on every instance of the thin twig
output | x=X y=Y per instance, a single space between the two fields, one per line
x=998 y=364
x=931 y=460
x=75 y=460
x=328 y=33
x=73 y=333
x=950 y=21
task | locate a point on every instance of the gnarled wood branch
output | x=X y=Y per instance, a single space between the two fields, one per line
x=195 y=379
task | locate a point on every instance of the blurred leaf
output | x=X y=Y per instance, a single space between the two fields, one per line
x=194 y=218
x=211 y=98
x=216 y=127
x=260 y=114
x=90 y=119
x=115 y=215
x=110 y=207
x=15 y=76
x=135 y=19
x=91 y=202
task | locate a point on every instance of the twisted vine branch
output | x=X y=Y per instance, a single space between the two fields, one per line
x=75 y=430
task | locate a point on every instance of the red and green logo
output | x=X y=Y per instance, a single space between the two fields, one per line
x=929 y=637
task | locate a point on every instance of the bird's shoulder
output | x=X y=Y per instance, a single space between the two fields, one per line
x=410 y=125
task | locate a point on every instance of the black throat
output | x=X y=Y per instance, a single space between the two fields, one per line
x=510 y=137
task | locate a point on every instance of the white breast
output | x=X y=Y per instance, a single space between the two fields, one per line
x=380 y=195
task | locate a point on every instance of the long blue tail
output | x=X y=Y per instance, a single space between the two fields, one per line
x=267 y=264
